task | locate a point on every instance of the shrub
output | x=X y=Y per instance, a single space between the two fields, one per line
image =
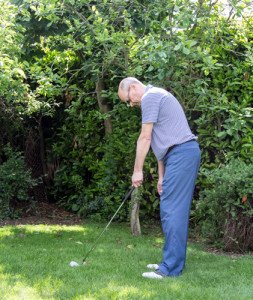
x=15 y=182
x=225 y=207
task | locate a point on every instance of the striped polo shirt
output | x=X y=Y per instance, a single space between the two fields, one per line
x=170 y=126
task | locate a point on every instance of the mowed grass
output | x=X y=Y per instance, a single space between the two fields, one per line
x=34 y=264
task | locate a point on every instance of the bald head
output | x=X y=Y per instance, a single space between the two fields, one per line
x=126 y=82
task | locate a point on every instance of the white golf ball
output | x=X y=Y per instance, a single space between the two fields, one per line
x=74 y=264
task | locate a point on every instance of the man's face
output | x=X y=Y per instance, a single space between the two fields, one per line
x=129 y=96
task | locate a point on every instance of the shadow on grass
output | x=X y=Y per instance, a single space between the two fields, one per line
x=34 y=264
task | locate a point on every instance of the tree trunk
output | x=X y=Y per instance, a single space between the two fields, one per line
x=103 y=106
x=42 y=147
x=33 y=161
x=135 y=205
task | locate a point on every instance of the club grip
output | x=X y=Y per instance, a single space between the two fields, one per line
x=129 y=193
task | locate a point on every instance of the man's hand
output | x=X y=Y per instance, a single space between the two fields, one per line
x=137 y=178
x=160 y=176
x=159 y=185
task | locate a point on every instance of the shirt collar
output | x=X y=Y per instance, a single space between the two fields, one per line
x=149 y=86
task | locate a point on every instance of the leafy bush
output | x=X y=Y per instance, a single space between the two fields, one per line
x=225 y=208
x=15 y=182
x=95 y=171
x=67 y=71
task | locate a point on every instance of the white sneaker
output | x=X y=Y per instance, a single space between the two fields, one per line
x=152 y=275
x=153 y=266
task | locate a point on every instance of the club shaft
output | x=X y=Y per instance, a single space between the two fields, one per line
x=122 y=203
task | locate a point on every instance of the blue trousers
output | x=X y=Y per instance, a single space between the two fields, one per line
x=181 y=168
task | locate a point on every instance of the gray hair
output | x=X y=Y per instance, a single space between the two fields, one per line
x=126 y=82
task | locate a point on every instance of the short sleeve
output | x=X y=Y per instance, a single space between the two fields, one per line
x=150 y=106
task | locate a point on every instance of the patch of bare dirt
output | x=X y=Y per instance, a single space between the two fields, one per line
x=44 y=213
x=218 y=251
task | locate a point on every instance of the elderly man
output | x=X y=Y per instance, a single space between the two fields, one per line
x=166 y=130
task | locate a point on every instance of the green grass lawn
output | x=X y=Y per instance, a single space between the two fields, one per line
x=34 y=264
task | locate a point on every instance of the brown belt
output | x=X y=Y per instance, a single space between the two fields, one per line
x=171 y=147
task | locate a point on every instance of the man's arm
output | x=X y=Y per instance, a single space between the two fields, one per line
x=143 y=145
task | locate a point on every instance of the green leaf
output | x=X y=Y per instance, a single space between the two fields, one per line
x=186 y=51
x=221 y=134
x=75 y=207
x=192 y=43
x=177 y=47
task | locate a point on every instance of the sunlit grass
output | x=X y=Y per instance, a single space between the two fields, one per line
x=34 y=264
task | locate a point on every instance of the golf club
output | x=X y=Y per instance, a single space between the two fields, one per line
x=127 y=195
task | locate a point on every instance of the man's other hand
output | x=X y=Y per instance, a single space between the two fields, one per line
x=160 y=185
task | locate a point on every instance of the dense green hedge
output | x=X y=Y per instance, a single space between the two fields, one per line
x=224 y=212
x=15 y=183
x=61 y=63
